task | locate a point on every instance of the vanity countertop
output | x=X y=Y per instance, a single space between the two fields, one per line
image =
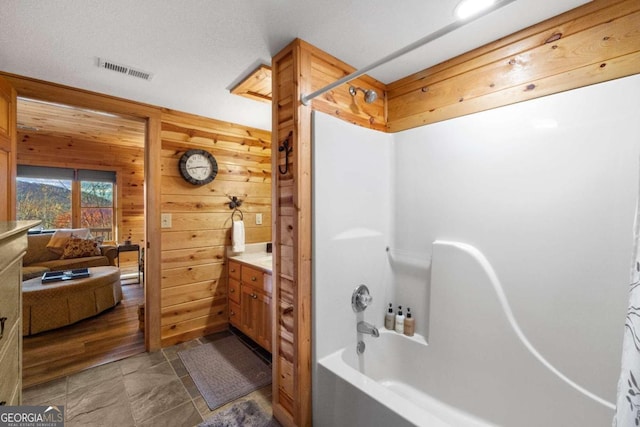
x=259 y=259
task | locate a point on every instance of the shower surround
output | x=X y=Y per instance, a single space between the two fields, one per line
x=545 y=190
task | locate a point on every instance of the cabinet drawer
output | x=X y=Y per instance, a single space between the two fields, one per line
x=234 y=313
x=256 y=278
x=234 y=290
x=10 y=295
x=10 y=365
x=12 y=249
x=234 y=270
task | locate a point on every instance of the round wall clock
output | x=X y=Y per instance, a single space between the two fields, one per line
x=198 y=167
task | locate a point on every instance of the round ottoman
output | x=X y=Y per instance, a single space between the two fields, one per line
x=51 y=305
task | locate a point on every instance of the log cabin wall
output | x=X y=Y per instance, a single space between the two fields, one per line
x=127 y=162
x=194 y=286
x=593 y=43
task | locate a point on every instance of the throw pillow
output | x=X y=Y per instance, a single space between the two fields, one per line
x=61 y=236
x=79 y=248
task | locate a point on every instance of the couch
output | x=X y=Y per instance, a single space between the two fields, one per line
x=40 y=259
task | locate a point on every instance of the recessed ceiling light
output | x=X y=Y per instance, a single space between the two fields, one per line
x=468 y=8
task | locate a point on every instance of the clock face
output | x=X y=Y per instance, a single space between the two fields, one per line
x=198 y=167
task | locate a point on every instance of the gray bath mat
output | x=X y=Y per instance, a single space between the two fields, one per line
x=225 y=370
x=242 y=414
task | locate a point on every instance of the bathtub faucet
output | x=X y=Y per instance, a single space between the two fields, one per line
x=367 y=328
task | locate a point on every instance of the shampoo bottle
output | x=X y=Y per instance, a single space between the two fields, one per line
x=400 y=321
x=409 y=324
x=389 y=319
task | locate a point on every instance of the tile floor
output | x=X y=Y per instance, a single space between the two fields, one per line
x=150 y=389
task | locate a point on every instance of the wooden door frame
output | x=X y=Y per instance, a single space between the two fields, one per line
x=51 y=92
x=8 y=145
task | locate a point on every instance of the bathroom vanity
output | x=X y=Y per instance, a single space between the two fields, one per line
x=249 y=294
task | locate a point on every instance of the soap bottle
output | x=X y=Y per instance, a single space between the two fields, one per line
x=389 y=319
x=400 y=321
x=409 y=324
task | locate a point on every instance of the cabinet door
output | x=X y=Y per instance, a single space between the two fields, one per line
x=248 y=315
x=255 y=316
x=263 y=327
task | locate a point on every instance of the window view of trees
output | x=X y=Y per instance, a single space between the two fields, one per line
x=47 y=200
x=96 y=207
x=51 y=201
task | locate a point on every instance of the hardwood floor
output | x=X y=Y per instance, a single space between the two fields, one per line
x=109 y=336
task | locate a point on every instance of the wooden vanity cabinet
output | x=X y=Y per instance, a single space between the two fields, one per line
x=250 y=302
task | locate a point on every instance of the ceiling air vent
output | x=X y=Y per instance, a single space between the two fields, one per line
x=124 y=69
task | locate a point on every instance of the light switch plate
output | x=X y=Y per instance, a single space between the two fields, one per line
x=165 y=220
x=258 y=219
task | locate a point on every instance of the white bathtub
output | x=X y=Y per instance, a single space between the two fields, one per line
x=382 y=387
x=479 y=368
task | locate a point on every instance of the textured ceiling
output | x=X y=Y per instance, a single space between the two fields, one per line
x=199 y=49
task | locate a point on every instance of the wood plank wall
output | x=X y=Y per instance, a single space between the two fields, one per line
x=128 y=163
x=194 y=285
x=596 y=42
x=297 y=69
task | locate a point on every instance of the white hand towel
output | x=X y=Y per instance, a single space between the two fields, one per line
x=237 y=238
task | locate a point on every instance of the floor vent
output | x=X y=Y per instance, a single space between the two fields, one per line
x=124 y=69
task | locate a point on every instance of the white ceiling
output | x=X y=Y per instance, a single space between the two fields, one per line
x=199 y=49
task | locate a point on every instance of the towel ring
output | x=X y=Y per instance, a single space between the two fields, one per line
x=237 y=211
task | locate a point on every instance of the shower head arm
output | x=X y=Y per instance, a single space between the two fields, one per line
x=370 y=95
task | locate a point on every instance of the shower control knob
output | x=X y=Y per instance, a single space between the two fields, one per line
x=361 y=298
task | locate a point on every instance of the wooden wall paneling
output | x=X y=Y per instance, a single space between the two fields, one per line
x=566 y=24
x=5 y=184
x=297 y=69
x=590 y=44
x=192 y=274
x=303 y=248
x=284 y=101
x=193 y=288
x=7 y=151
x=153 y=250
x=326 y=69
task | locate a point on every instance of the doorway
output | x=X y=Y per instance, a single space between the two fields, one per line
x=62 y=136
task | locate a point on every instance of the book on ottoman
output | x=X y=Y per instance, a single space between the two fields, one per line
x=55 y=276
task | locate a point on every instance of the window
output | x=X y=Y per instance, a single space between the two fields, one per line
x=67 y=198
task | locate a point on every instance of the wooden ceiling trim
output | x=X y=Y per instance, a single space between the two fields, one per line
x=588 y=45
x=568 y=23
x=256 y=86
